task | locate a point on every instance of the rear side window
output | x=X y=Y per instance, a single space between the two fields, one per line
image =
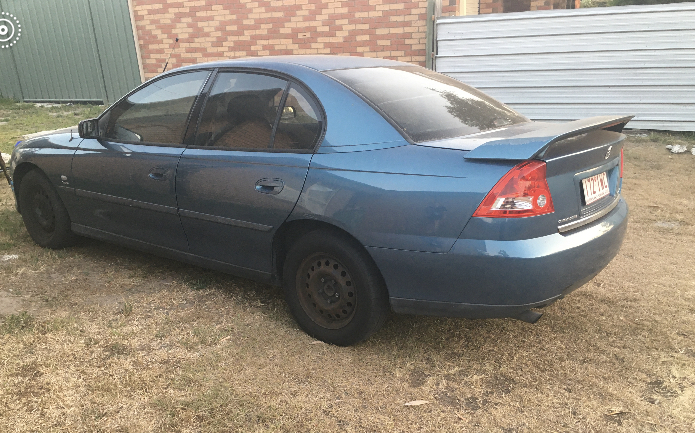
x=300 y=123
x=157 y=113
x=240 y=112
x=427 y=105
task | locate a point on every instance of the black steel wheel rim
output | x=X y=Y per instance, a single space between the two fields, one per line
x=326 y=291
x=42 y=208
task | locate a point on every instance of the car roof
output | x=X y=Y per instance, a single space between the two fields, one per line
x=319 y=63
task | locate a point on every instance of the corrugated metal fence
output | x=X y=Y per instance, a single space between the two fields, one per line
x=568 y=64
x=69 y=50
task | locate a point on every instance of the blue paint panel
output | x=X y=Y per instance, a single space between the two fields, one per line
x=225 y=216
x=422 y=208
x=52 y=153
x=117 y=192
x=504 y=273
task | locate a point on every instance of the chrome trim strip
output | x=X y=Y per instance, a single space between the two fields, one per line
x=67 y=189
x=603 y=146
x=590 y=218
x=126 y=201
x=223 y=220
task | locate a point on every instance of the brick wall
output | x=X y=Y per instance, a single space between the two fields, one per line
x=214 y=30
x=491 y=7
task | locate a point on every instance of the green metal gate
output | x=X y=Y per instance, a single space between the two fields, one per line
x=69 y=51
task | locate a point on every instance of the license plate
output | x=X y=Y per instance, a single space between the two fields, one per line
x=595 y=188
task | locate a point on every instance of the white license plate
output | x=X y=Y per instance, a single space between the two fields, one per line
x=595 y=188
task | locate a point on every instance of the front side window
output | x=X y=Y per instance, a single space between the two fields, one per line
x=427 y=105
x=156 y=113
x=240 y=112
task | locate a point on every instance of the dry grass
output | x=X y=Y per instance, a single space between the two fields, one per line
x=115 y=340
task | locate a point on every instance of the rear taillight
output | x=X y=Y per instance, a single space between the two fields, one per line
x=522 y=192
x=622 y=159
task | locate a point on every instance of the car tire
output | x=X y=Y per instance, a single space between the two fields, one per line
x=43 y=212
x=334 y=290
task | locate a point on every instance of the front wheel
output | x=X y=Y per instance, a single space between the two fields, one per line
x=43 y=212
x=333 y=289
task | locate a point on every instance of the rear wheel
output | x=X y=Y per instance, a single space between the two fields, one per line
x=334 y=290
x=43 y=212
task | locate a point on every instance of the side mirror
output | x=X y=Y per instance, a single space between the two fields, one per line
x=288 y=112
x=88 y=128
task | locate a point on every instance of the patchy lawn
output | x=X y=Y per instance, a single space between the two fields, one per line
x=101 y=338
x=19 y=119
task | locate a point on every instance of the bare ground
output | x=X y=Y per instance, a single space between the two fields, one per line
x=100 y=338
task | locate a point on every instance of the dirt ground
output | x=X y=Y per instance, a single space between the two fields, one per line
x=101 y=338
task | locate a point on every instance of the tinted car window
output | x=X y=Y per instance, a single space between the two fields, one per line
x=241 y=110
x=427 y=105
x=156 y=113
x=300 y=123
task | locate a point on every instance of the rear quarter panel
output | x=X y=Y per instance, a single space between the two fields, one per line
x=408 y=197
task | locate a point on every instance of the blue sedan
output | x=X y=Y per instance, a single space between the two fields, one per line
x=359 y=185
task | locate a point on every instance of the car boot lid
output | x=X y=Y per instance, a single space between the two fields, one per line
x=527 y=140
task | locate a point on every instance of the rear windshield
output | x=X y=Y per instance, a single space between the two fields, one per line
x=427 y=105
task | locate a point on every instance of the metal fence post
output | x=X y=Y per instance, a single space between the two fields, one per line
x=429 y=50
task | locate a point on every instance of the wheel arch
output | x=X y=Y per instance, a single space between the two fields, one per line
x=290 y=231
x=19 y=172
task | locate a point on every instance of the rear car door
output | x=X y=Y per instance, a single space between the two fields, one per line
x=241 y=178
x=125 y=180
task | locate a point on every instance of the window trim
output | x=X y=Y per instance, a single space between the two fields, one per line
x=152 y=81
x=278 y=115
x=197 y=110
x=276 y=74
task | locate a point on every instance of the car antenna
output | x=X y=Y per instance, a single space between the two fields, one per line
x=170 y=52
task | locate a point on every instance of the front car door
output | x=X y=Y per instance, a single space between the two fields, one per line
x=125 y=180
x=242 y=177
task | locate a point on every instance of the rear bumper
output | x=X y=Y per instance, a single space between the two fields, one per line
x=485 y=278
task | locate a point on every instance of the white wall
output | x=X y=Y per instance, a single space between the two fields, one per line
x=568 y=64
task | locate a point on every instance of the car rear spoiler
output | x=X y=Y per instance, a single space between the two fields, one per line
x=532 y=144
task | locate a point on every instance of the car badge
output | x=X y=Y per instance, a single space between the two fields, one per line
x=608 y=152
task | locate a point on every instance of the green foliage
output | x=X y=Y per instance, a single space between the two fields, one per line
x=5 y=102
x=11 y=226
x=595 y=3
x=16 y=323
x=116 y=349
x=18 y=118
x=126 y=309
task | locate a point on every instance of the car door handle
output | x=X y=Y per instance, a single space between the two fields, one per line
x=270 y=186
x=157 y=173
